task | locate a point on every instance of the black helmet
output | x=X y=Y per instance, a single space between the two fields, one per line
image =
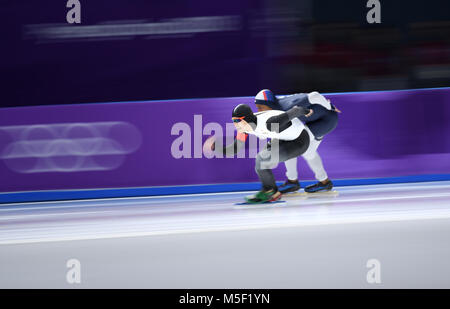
x=243 y=110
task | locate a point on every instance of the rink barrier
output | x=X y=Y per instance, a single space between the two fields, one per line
x=64 y=195
x=102 y=150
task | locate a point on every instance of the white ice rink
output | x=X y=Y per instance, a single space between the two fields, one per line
x=205 y=241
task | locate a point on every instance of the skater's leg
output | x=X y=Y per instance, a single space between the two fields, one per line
x=281 y=151
x=316 y=165
x=291 y=184
x=291 y=169
x=314 y=161
x=263 y=167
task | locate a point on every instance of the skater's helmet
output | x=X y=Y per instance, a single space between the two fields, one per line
x=243 y=112
x=266 y=97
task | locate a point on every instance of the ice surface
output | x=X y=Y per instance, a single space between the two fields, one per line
x=195 y=241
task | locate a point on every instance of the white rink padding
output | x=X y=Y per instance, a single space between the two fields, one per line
x=205 y=241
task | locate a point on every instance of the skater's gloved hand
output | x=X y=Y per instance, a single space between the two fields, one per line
x=310 y=113
x=209 y=146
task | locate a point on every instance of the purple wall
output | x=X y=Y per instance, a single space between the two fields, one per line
x=152 y=65
x=380 y=134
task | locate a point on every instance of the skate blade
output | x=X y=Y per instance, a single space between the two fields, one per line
x=332 y=193
x=260 y=205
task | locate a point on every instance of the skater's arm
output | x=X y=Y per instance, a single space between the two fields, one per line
x=280 y=121
x=233 y=148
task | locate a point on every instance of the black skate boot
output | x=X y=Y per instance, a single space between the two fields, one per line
x=289 y=186
x=319 y=187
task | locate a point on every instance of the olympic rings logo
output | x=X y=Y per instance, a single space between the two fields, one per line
x=67 y=147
